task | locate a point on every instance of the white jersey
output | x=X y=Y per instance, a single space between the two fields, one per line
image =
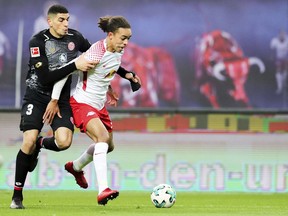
x=281 y=48
x=92 y=86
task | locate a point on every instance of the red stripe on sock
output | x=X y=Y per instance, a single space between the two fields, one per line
x=18 y=188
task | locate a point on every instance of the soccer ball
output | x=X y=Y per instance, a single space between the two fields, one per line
x=163 y=196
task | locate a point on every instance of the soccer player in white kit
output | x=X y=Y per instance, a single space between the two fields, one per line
x=279 y=45
x=88 y=103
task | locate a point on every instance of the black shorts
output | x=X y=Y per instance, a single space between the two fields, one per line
x=33 y=109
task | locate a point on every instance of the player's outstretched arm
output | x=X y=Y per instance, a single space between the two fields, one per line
x=47 y=77
x=84 y=64
x=80 y=63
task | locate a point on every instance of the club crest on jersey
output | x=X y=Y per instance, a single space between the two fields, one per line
x=71 y=46
x=35 y=52
x=111 y=74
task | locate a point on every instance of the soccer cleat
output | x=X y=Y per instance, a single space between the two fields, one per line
x=34 y=156
x=79 y=176
x=16 y=204
x=107 y=195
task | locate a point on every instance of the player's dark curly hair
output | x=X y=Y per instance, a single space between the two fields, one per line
x=55 y=9
x=112 y=23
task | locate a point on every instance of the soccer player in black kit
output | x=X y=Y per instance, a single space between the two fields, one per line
x=50 y=51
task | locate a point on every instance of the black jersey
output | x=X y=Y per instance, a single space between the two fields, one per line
x=48 y=58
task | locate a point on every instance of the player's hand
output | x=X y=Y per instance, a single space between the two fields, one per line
x=83 y=64
x=51 y=110
x=113 y=97
x=133 y=77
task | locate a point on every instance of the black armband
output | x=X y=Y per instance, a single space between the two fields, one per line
x=122 y=72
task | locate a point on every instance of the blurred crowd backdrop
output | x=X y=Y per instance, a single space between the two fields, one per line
x=189 y=54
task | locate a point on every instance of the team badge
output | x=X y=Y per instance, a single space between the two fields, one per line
x=71 y=46
x=35 y=52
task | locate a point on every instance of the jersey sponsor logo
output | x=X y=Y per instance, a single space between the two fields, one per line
x=71 y=46
x=35 y=52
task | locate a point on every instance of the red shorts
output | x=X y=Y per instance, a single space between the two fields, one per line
x=83 y=113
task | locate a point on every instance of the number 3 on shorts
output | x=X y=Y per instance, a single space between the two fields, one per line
x=29 y=109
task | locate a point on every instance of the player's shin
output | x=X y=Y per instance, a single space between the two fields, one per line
x=100 y=164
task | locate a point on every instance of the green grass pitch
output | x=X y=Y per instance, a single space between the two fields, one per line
x=83 y=203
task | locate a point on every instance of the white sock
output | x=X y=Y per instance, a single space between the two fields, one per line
x=100 y=164
x=84 y=159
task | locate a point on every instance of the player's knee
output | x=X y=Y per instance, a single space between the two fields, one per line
x=104 y=137
x=28 y=147
x=63 y=142
x=29 y=143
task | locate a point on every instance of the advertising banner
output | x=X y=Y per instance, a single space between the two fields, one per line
x=194 y=160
